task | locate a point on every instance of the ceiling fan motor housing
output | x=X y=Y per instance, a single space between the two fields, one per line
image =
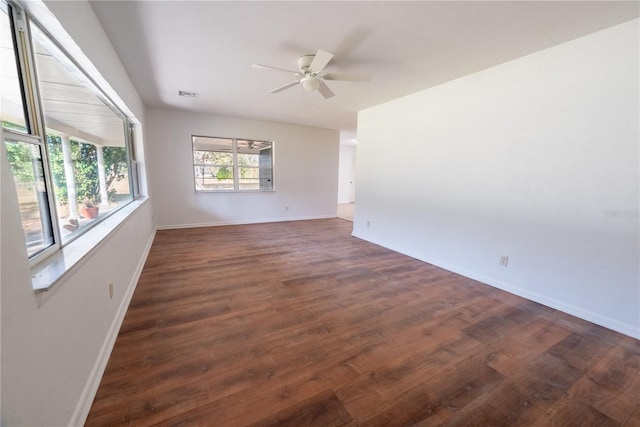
x=310 y=82
x=304 y=62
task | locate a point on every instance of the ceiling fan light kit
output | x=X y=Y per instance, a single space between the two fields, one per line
x=310 y=67
x=310 y=83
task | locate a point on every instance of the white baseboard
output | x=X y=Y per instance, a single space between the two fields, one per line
x=597 y=318
x=80 y=413
x=252 y=221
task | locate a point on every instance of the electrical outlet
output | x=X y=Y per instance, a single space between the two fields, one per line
x=111 y=290
x=368 y=224
x=286 y=208
x=504 y=260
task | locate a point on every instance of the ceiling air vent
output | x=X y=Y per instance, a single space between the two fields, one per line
x=188 y=94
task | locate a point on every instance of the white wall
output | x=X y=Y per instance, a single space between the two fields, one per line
x=347 y=174
x=537 y=159
x=305 y=171
x=53 y=347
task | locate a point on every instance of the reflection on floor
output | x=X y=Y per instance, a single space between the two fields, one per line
x=345 y=211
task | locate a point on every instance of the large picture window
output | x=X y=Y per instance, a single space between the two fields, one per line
x=230 y=164
x=86 y=140
x=68 y=146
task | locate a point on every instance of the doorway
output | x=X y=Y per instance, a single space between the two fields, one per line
x=347 y=180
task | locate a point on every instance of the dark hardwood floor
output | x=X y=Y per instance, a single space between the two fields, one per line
x=300 y=324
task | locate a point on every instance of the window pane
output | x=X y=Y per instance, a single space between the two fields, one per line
x=212 y=158
x=86 y=140
x=248 y=159
x=249 y=178
x=25 y=161
x=210 y=178
x=247 y=146
x=206 y=143
x=230 y=164
x=266 y=167
x=12 y=111
x=258 y=154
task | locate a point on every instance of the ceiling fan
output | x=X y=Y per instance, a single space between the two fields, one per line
x=309 y=73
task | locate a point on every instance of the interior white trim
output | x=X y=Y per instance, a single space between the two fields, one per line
x=81 y=411
x=588 y=315
x=258 y=221
x=70 y=258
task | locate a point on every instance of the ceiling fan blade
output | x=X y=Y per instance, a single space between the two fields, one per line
x=268 y=67
x=287 y=86
x=347 y=77
x=324 y=90
x=321 y=60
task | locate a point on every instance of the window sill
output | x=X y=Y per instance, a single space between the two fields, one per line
x=234 y=191
x=46 y=274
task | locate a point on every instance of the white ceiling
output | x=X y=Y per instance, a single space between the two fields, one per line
x=208 y=47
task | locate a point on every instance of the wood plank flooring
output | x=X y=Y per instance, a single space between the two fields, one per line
x=300 y=324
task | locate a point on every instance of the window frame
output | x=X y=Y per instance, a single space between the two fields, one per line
x=12 y=135
x=22 y=40
x=235 y=166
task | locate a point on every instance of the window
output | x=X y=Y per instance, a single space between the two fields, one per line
x=229 y=164
x=86 y=140
x=25 y=160
x=13 y=106
x=24 y=147
x=67 y=144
